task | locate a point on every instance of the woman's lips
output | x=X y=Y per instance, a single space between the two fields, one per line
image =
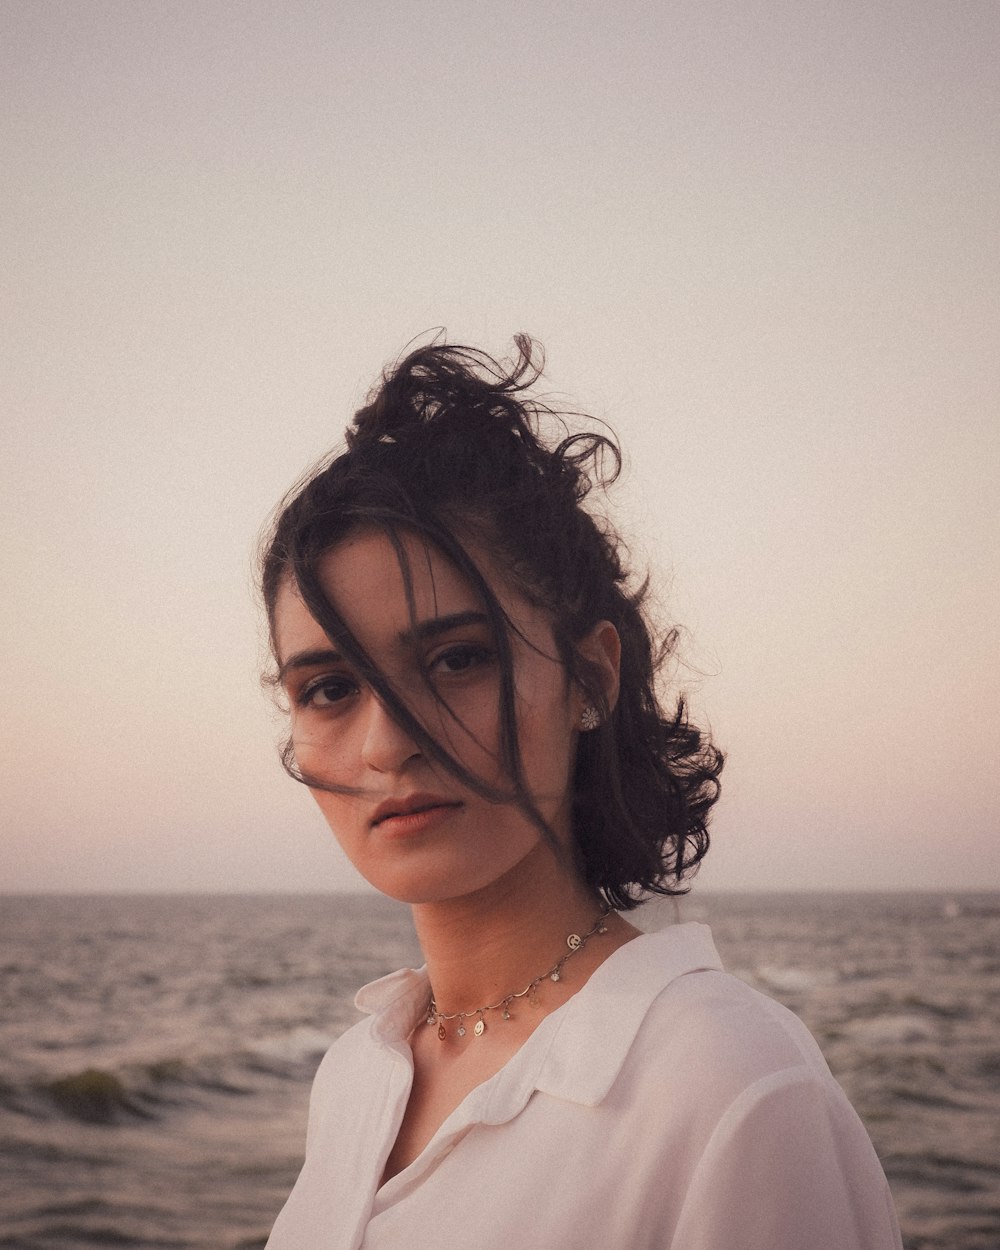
x=411 y=813
x=419 y=820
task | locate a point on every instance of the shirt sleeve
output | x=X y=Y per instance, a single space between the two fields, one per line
x=789 y=1166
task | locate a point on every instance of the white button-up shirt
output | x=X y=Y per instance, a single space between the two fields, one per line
x=666 y=1104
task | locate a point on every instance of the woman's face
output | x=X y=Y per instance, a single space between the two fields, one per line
x=411 y=828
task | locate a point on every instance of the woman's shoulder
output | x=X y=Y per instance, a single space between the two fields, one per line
x=718 y=1013
x=759 y=1114
x=721 y=1035
x=729 y=1064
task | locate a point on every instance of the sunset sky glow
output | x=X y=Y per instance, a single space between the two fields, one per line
x=760 y=240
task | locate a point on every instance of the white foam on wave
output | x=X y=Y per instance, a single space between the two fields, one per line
x=299 y=1045
x=793 y=980
x=892 y=1030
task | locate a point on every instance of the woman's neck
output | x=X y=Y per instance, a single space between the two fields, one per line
x=483 y=947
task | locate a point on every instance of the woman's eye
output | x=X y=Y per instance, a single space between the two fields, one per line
x=326 y=691
x=460 y=659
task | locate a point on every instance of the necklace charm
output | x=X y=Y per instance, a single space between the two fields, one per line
x=574 y=941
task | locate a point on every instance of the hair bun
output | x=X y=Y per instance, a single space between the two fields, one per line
x=438 y=383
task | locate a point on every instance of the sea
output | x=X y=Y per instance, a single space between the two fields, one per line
x=156 y=1052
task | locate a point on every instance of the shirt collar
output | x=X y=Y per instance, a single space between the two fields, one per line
x=395 y=1003
x=576 y=1052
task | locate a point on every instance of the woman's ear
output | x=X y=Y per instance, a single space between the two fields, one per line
x=602 y=649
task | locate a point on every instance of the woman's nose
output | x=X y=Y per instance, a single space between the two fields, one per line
x=387 y=746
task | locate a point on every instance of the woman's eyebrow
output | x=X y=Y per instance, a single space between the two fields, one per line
x=308 y=659
x=421 y=631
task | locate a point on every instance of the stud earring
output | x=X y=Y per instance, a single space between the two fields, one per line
x=589 y=719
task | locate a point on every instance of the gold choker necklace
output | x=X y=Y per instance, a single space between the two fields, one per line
x=575 y=943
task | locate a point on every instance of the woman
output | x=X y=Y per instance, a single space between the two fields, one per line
x=472 y=685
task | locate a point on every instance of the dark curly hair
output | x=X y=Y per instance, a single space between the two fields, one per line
x=449 y=444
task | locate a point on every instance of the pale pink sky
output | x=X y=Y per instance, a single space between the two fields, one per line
x=761 y=240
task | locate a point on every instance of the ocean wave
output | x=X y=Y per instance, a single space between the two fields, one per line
x=988 y=1066
x=951 y=1173
x=90 y=1222
x=138 y=1091
x=927 y=1098
x=301 y=1045
x=787 y=980
x=897 y=1030
x=96 y=1096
